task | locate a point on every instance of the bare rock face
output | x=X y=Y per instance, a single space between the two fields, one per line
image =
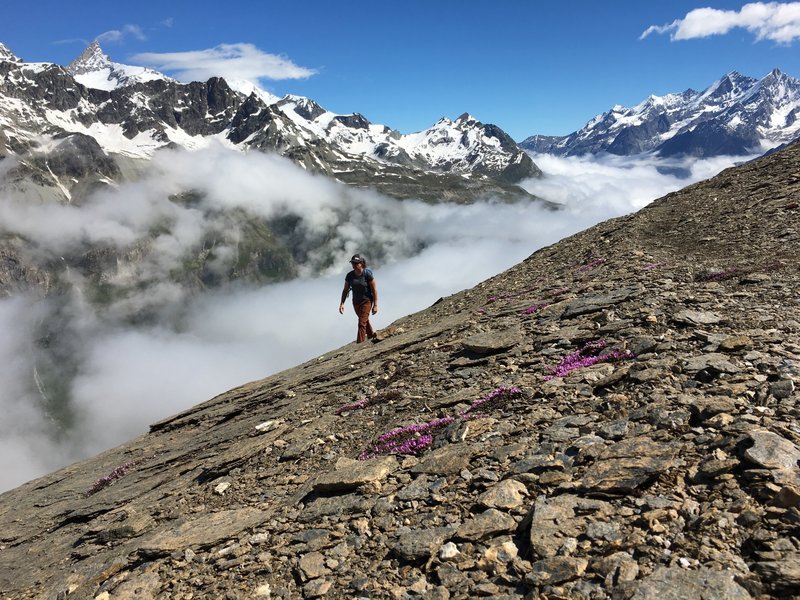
x=669 y=584
x=619 y=422
x=629 y=464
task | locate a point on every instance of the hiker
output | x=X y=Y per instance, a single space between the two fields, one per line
x=365 y=296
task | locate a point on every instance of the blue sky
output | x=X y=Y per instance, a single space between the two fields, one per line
x=529 y=67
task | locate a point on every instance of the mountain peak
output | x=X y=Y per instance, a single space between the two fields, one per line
x=775 y=75
x=94 y=69
x=7 y=55
x=466 y=118
x=92 y=59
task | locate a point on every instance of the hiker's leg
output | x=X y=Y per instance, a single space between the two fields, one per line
x=369 y=330
x=362 y=311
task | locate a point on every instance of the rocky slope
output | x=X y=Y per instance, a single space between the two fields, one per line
x=615 y=417
x=736 y=115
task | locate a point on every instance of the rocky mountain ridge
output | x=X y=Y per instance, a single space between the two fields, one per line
x=101 y=115
x=736 y=115
x=94 y=69
x=615 y=417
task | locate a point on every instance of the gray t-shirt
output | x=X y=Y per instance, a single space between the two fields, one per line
x=360 y=285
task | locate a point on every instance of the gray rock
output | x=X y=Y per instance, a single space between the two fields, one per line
x=311 y=539
x=782 y=389
x=735 y=343
x=696 y=317
x=448 y=460
x=204 y=530
x=718 y=363
x=336 y=505
x=783 y=575
x=599 y=530
x=771 y=451
x=554 y=520
x=418 y=544
x=450 y=577
x=707 y=407
x=316 y=588
x=616 y=568
x=595 y=303
x=675 y=583
x=642 y=345
x=613 y=430
x=493 y=341
x=555 y=570
x=416 y=490
x=312 y=565
x=487 y=524
x=628 y=465
x=350 y=474
x=507 y=494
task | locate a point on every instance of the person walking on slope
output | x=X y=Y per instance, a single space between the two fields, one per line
x=365 y=296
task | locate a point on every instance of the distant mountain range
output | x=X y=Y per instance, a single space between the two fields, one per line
x=736 y=115
x=90 y=120
x=96 y=121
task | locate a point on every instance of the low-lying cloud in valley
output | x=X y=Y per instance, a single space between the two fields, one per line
x=121 y=372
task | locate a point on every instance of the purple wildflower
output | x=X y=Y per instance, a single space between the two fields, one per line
x=655 y=265
x=589 y=266
x=108 y=479
x=413 y=439
x=535 y=308
x=410 y=439
x=384 y=396
x=586 y=356
x=493 y=397
x=358 y=404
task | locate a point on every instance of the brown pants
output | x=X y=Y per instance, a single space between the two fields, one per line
x=364 y=328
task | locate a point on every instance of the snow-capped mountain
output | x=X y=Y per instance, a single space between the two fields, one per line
x=464 y=146
x=94 y=69
x=118 y=113
x=736 y=115
x=6 y=54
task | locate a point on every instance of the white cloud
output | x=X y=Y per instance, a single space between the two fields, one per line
x=239 y=61
x=610 y=185
x=779 y=22
x=26 y=441
x=203 y=343
x=117 y=35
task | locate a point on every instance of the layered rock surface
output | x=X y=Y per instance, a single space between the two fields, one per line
x=615 y=417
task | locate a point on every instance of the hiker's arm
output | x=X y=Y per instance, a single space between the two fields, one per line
x=345 y=291
x=374 y=289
